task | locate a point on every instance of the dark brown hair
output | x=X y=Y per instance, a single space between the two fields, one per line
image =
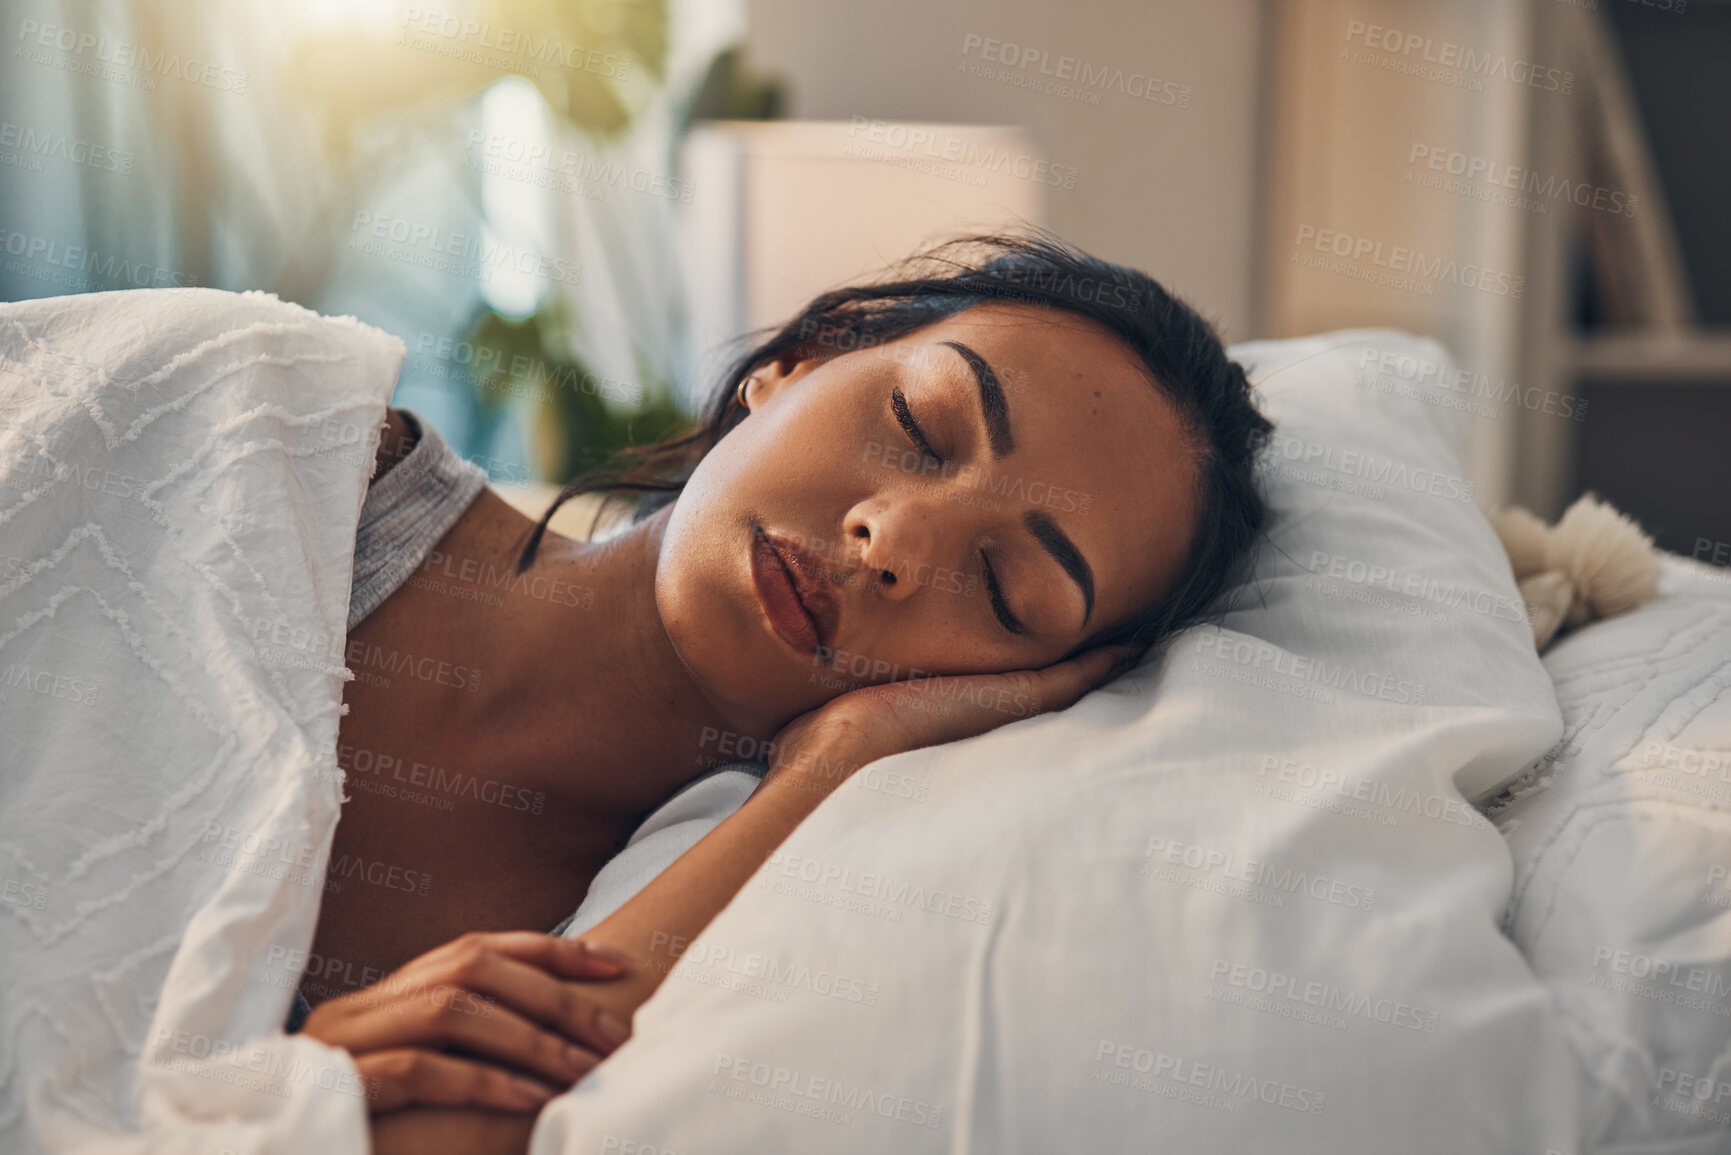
x=1183 y=355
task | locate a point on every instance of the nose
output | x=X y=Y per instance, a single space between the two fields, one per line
x=899 y=540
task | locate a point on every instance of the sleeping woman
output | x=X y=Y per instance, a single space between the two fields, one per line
x=928 y=506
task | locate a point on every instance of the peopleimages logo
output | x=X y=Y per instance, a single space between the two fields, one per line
x=106 y=54
x=1316 y=461
x=870 y=885
x=1470 y=386
x=516 y=157
x=1682 y=979
x=1326 y=997
x=1255 y=654
x=425 y=667
x=44 y=259
x=1417 y=49
x=448 y=251
x=1374 y=575
x=1393 y=799
x=1229 y=1087
x=1398 y=266
x=273 y=856
x=1282 y=879
x=258 y=1068
x=1105 y=77
x=1005 y=485
x=48 y=683
x=358 y=761
x=57 y=146
x=922 y=141
x=30 y=894
x=473 y=39
x=1498 y=175
x=768 y=968
x=792 y=1090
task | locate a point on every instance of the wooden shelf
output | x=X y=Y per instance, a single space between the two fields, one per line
x=1701 y=357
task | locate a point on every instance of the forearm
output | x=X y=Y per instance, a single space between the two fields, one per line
x=686 y=897
x=451 y=1131
x=677 y=903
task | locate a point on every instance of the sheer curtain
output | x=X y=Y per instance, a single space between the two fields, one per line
x=147 y=143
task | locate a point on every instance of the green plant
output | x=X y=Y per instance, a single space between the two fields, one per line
x=585 y=418
x=598 y=65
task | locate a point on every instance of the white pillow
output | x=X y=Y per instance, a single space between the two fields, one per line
x=1622 y=846
x=1234 y=901
x=675 y=827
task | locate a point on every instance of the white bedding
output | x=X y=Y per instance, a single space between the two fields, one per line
x=1622 y=852
x=1206 y=909
x=1621 y=838
x=181 y=473
x=675 y=827
x=1236 y=901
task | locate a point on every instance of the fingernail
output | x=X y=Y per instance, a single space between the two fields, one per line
x=613 y=1028
x=602 y=953
x=577 y=1059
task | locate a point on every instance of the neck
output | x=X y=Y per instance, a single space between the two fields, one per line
x=614 y=672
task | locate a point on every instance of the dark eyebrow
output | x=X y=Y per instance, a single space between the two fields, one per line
x=1057 y=543
x=992 y=402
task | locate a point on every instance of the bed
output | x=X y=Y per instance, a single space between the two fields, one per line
x=1353 y=869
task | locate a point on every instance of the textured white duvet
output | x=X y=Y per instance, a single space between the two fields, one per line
x=1622 y=850
x=181 y=473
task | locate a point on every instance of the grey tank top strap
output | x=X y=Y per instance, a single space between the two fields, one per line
x=406 y=512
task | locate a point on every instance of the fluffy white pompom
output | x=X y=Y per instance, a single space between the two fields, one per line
x=1607 y=557
x=1594 y=563
x=1523 y=537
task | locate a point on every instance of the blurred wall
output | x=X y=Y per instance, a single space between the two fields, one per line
x=1168 y=184
x=1365 y=94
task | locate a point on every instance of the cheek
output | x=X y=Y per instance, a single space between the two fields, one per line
x=702 y=573
x=819 y=438
x=691 y=542
x=779 y=457
x=690 y=579
x=725 y=471
x=944 y=637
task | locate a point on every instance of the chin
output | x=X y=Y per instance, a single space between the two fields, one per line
x=707 y=606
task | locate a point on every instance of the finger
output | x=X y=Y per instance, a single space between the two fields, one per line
x=412 y=1012
x=542 y=997
x=1124 y=658
x=411 y=1076
x=1061 y=684
x=568 y=957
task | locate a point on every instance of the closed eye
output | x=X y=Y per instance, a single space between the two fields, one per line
x=995 y=592
x=905 y=418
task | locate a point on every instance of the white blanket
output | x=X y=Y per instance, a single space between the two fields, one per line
x=1622 y=855
x=181 y=473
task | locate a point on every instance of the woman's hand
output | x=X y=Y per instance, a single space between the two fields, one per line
x=487 y=1020
x=821 y=748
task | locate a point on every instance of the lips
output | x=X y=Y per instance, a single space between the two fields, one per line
x=793 y=587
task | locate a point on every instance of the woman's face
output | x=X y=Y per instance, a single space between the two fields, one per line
x=982 y=495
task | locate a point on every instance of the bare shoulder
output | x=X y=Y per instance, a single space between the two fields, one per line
x=395 y=442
